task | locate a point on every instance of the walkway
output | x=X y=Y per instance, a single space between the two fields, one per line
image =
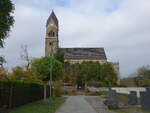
x=82 y=104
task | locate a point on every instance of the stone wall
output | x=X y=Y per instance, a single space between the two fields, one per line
x=94 y=89
x=128 y=89
x=125 y=90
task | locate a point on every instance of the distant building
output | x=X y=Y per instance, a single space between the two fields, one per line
x=72 y=55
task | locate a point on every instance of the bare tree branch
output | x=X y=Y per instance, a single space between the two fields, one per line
x=25 y=55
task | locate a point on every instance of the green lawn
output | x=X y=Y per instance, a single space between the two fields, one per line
x=123 y=111
x=40 y=106
x=144 y=111
x=118 y=111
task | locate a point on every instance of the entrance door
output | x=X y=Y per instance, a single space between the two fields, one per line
x=80 y=84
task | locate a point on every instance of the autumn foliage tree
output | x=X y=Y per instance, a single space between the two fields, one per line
x=17 y=73
x=3 y=74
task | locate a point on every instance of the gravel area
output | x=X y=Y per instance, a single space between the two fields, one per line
x=97 y=103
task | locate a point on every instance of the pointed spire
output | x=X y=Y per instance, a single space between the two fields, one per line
x=53 y=17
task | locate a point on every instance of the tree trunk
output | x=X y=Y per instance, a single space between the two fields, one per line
x=44 y=92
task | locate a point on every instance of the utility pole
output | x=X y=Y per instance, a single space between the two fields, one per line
x=51 y=67
x=50 y=81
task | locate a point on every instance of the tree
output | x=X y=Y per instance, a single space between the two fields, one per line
x=59 y=55
x=6 y=19
x=2 y=61
x=142 y=82
x=128 y=82
x=94 y=73
x=144 y=72
x=68 y=76
x=143 y=76
x=3 y=74
x=41 y=68
x=109 y=75
x=18 y=73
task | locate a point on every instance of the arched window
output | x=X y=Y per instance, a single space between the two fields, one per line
x=51 y=34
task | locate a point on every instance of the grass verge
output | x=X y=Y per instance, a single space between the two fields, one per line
x=144 y=111
x=139 y=110
x=119 y=111
x=40 y=106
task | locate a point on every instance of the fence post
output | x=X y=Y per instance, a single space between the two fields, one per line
x=10 y=96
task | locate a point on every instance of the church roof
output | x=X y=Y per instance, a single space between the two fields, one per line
x=53 y=17
x=84 y=53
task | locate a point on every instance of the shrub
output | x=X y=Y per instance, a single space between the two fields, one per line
x=104 y=94
x=95 y=84
x=95 y=93
x=58 y=90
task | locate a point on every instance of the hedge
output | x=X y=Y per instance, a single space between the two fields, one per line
x=18 y=84
x=17 y=93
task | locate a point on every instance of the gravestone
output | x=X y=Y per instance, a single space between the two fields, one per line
x=112 y=94
x=145 y=99
x=148 y=89
x=112 y=102
x=132 y=98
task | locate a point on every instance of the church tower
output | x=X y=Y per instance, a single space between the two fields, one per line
x=51 y=40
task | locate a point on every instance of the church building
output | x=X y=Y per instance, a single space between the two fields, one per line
x=72 y=55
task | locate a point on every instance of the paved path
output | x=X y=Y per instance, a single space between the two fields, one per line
x=83 y=104
x=97 y=103
x=76 y=104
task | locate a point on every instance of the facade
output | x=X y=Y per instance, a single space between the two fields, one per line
x=72 y=55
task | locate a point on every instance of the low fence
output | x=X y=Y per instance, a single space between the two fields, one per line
x=12 y=95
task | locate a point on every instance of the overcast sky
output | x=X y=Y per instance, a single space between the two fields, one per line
x=122 y=27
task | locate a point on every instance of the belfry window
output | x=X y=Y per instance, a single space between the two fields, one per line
x=51 y=34
x=50 y=43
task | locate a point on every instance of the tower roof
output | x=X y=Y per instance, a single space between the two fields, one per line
x=53 y=17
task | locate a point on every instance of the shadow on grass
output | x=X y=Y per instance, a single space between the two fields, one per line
x=47 y=106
